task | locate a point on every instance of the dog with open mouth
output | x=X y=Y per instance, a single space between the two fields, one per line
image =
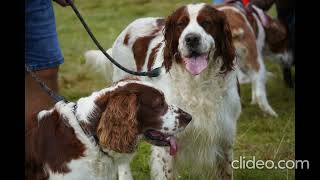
x=194 y=48
x=58 y=145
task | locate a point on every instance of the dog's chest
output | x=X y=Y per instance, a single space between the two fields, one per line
x=199 y=95
x=88 y=168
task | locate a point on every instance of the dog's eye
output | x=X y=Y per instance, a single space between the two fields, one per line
x=181 y=25
x=161 y=104
x=205 y=24
x=156 y=103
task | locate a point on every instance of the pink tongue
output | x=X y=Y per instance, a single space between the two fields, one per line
x=173 y=146
x=195 y=65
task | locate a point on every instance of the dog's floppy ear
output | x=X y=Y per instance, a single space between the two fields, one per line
x=168 y=52
x=171 y=38
x=225 y=47
x=118 y=126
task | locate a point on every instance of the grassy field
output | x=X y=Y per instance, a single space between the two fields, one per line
x=258 y=135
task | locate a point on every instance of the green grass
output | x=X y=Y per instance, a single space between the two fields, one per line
x=258 y=135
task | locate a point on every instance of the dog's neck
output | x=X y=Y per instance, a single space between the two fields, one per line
x=71 y=146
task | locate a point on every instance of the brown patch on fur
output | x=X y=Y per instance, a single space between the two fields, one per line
x=139 y=49
x=249 y=13
x=216 y=24
x=128 y=111
x=247 y=42
x=141 y=45
x=172 y=33
x=126 y=39
x=50 y=142
x=277 y=36
x=254 y=25
x=152 y=57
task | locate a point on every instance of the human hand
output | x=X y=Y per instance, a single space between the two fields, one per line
x=62 y=3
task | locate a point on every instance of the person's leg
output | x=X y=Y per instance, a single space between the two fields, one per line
x=35 y=98
x=42 y=54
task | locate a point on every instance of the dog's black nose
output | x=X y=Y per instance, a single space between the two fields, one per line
x=188 y=118
x=192 y=39
x=185 y=118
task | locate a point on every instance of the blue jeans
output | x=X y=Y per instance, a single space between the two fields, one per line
x=217 y=1
x=42 y=50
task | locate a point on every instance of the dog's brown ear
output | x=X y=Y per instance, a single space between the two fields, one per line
x=118 y=126
x=171 y=38
x=225 y=47
x=168 y=52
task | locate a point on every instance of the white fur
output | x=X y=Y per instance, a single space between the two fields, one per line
x=97 y=60
x=170 y=121
x=42 y=114
x=211 y=99
x=124 y=171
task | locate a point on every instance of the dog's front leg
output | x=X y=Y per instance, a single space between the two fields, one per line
x=161 y=164
x=224 y=170
x=124 y=172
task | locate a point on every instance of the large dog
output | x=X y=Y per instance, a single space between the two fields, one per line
x=197 y=57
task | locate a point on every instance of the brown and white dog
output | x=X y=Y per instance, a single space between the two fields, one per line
x=195 y=50
x=118 y=117
x=286 y=20
x=250 y=32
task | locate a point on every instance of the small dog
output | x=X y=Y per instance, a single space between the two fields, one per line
x=118 y=117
